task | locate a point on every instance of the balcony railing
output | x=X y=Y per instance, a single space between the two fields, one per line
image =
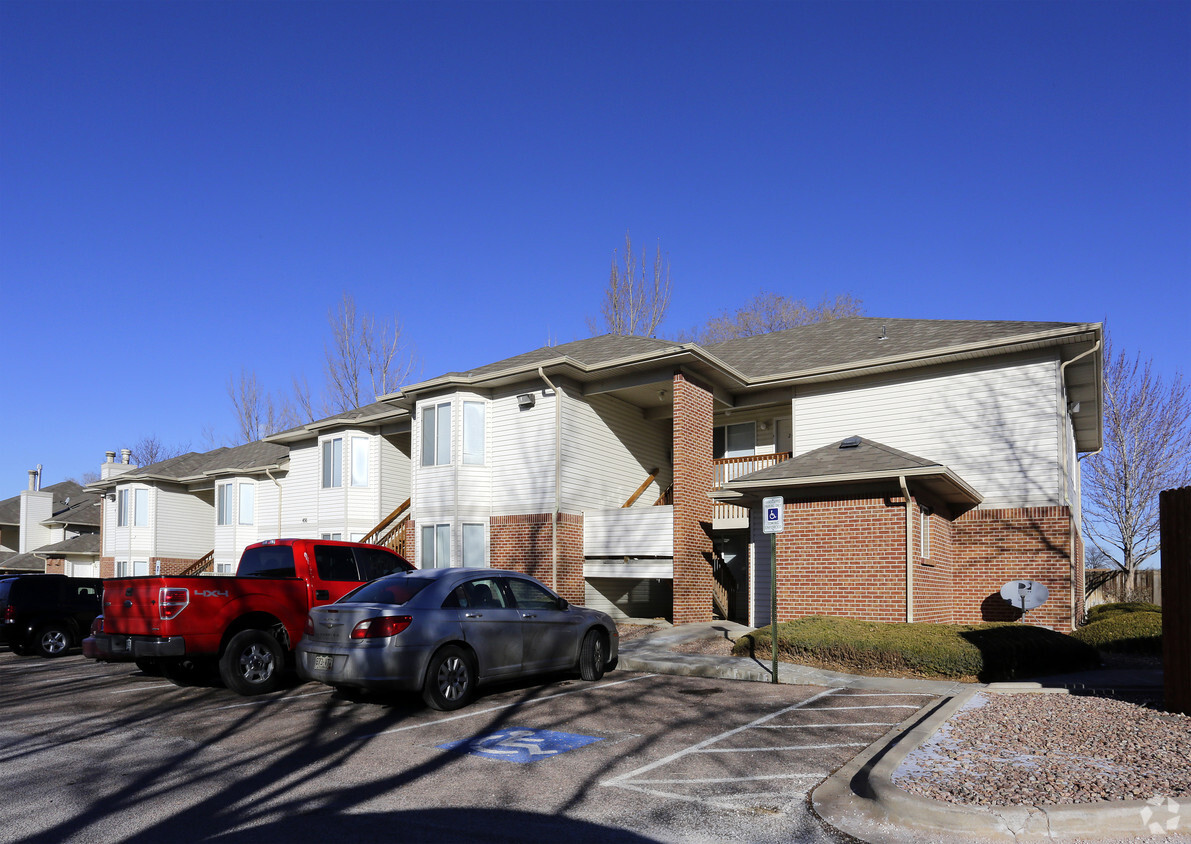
x=727 y=469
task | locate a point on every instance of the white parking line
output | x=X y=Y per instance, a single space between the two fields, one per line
x=261 y=700
x=506 y=706
x=143 y=689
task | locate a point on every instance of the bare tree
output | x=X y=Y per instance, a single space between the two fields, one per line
x=149 y=450
x=635 y=302
x=258 y=413
x=767 y=312
x=366 y=357
x=1147 y=449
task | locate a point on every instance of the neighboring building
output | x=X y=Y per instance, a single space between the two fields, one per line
x=53 y=529
x=592 y=465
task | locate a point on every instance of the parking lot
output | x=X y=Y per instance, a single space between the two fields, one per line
x=102 y=753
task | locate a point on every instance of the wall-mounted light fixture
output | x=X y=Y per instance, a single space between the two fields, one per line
x=661 y=395
x=525 y=400
x=1073 y=407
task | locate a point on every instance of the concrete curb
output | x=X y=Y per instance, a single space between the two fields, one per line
x=862 y=800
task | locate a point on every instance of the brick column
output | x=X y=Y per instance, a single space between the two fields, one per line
x=692 y=508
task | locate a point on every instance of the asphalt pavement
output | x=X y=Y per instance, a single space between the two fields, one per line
x=861 y=799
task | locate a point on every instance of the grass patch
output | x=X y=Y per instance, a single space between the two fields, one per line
x=1129 y=631
x=985 y=652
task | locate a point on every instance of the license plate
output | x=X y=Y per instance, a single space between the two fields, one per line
x=322 y=662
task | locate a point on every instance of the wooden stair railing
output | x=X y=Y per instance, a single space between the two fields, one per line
x=380 y=530
x=666 y=497
x=199 y=565
x=653 y=473
x=722 y=584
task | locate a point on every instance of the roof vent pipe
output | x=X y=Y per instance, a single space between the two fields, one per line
x=125 y=455
x=110 y=455
x=39 y=476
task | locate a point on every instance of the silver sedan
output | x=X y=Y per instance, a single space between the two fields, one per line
x=445 y=631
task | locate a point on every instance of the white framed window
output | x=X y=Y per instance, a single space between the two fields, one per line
x=436 y=434
x=739 y=440
x=333 y=463
x=359 y=461
x=473 y=433
x=356 y=537
x=434 y=551
x=333 y=537
x=140 y=508
x=223 y=568
x=123 y=568
x=924 y=521
x=246 y=514
x=223 y=504
x=140 y=568
x=121 y=508
x=475 y=552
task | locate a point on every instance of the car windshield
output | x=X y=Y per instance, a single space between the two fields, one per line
x=387 y=590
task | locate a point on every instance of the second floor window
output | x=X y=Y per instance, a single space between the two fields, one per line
x=473 y=433
x=333 y=463
x=247 y=508
x=223 y=504
x=140 y=507
x=359 y=461
x=121 y=508
x=436 y=434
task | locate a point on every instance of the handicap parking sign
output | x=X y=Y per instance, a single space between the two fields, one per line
x=517 y=744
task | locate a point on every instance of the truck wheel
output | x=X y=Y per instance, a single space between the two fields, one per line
x=450 y=680
x=591 y=656
x=51 y=640
x=252 y=663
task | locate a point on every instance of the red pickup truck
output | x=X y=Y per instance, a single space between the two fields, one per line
x=248 y=624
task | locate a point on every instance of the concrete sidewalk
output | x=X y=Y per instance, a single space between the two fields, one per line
x=861 y=799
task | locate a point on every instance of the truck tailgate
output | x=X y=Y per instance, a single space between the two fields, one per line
x=132 y=605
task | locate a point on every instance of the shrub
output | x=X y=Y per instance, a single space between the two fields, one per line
x=1124 y=632
x=1103 y=611
x=988 y=652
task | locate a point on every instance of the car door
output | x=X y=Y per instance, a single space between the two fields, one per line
x=491 y=626
x=549 y=634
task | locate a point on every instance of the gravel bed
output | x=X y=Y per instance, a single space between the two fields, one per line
x=1045 y=748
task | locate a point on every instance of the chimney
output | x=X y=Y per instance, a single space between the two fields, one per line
x=125 y=455
x=111 y=456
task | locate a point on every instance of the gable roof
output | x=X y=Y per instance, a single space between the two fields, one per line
x=849 y=467
x=193 y=466
x=377 y=413
x=77 y=512
x=84 y=543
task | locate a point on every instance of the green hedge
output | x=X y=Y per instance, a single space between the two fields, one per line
x=1103 y=611
x=1129 y=631
x=987 y=652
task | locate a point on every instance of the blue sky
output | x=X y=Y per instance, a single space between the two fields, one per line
x=186 y=189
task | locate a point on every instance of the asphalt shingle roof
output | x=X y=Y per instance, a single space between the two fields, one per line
x=247 y=456
x=867 y=458
x=86 y=543
x=593 y=350
x=845 y=341
x=78 y=512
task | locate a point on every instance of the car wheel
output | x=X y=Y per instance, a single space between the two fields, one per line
x=18 y=648
x=52 y=640
x=591 y=656
x=252 y=663
x=149 y=667
x=450 y=679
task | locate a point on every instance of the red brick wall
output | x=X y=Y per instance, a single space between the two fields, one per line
x=169 y=565
x=523 y=543
x=993 y=547
x=933 y=575
x=55 y=565
x=842 y=557
x=692 y=508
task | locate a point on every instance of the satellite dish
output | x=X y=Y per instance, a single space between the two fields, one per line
x=1025 y=594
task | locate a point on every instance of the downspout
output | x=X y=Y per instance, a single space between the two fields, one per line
x=277 y=484
x=1067 y=473
x=557 y=478
x=901 y=479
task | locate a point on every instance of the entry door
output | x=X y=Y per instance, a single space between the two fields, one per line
x=783 y=436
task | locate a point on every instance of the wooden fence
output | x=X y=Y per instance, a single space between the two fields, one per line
x=1106 y=586
x=1175 y=514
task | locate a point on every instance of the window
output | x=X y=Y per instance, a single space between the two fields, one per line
x=530 y=596
x=223 y=568
x=435 y=547
x=267 y=561
x=223 y=504
x=334 y=537
x=436 y=434
x=123 y=569
x=473 y=546
x=484 y=593
x=140 y=568
x=359 y=461
x=335 y=562
x=924 y=519
x=376 y=562
x=122 y=509
x=333 y=463
x=140 y=508
x=473 y=433
x=738 y=440
x=247 y=514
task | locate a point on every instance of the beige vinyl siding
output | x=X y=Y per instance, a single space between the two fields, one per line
x=394 y=468
x=608 y=450
x=299 y=502
x=766 y=416
x=995 y=427
x=184 y=522
x=631 y=532
x=521 y=452
x=266 y=507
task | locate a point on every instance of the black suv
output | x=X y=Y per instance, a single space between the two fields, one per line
x=47 y=613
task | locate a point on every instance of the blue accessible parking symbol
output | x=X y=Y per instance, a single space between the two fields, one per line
x=517 y=744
